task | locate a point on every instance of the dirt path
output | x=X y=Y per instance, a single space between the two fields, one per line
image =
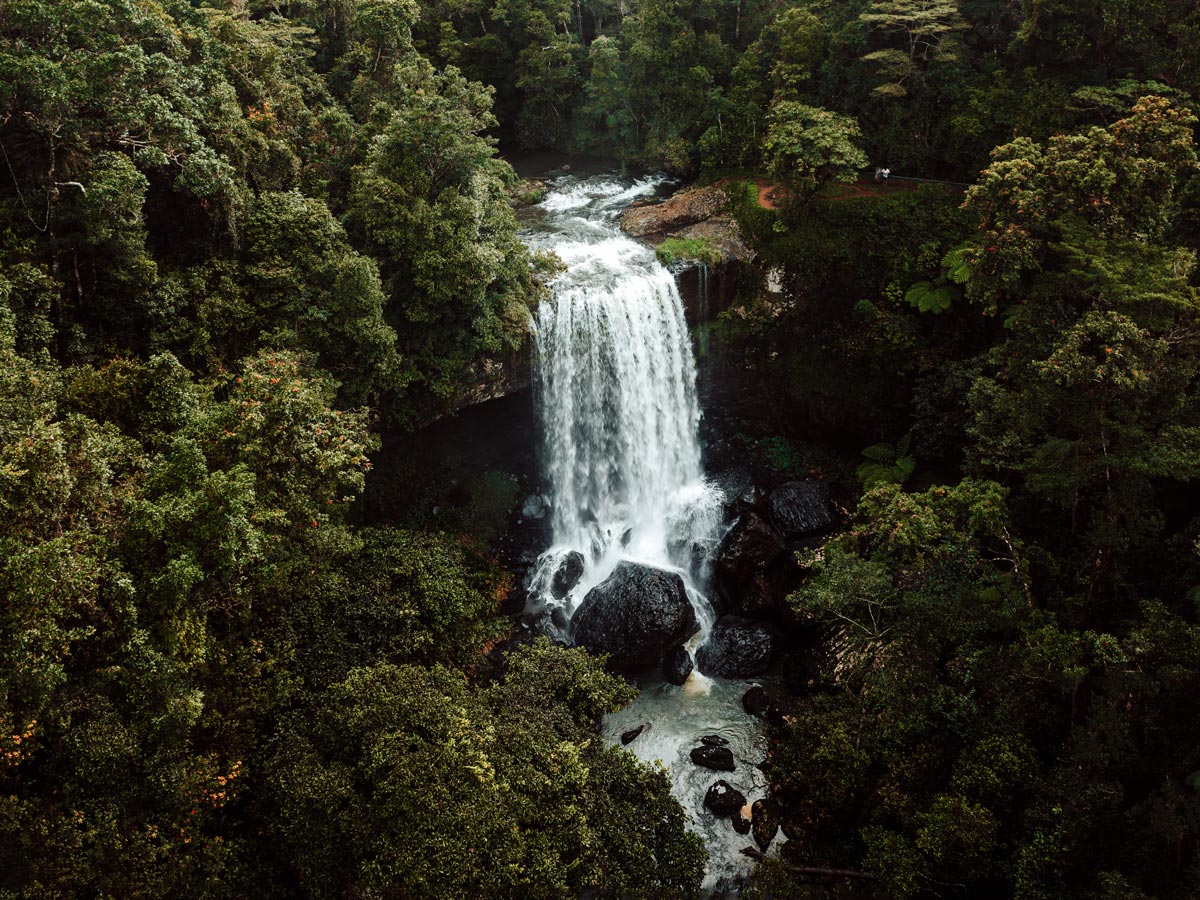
x=768 y=190
x=770 y=194
x=766 y=194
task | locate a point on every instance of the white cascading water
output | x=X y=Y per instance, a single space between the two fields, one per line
x=616 y=385
x=616 y=390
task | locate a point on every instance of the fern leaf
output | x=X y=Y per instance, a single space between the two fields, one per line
x=880 y=453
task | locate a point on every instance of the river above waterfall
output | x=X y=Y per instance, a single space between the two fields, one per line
x=616 y=392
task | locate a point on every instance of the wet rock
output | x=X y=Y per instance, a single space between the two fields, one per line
x=719 y=759
x=567 y=575
x=677 y=665
x=756 y=702
x=636 y=615
x=721 y=236
x=743 y=564
x=527 y=192
x=535 y=507
x=799 y=508
x=764 y=820
x=733 y=482
x=753 y=498
x=682 y=209
x=714 y=740
x=628 y=737
x=724 y=799
x=736 y=648
x=740 y=823
x=740 y=492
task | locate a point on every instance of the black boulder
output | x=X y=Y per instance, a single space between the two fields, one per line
x=799 y=508
x=724 y=799
x=719 y=759
x=636 y=615
x=756 y=702
x=743 y=567
x=677 y=665
x=736 y=648
x=567 y=575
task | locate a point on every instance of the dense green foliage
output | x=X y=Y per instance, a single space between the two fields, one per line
x=237 y=239
x=212 y=683
x=175 y=175
x=1010 y=636
x=234 y=239
x=933 y=84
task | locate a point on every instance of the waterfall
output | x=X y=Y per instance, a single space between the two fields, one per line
x=615 y=379
x=616 y=390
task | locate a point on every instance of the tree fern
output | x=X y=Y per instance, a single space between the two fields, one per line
x=887 y=463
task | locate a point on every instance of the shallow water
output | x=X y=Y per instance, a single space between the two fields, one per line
x=676 y=718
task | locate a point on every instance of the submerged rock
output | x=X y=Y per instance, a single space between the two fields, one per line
x=714 y=740
x=567 y=575
x=799 y=508
x=677 y=665
x=756 y=702
x=736 y=648
x=764 y=818
x=628 y=737
x=719 y=759
x=636 y=615
x=743 y=562
x=724 y=799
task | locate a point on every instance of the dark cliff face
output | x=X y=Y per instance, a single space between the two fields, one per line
x=708 y=290
x=489 y=378
x=494 y=377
